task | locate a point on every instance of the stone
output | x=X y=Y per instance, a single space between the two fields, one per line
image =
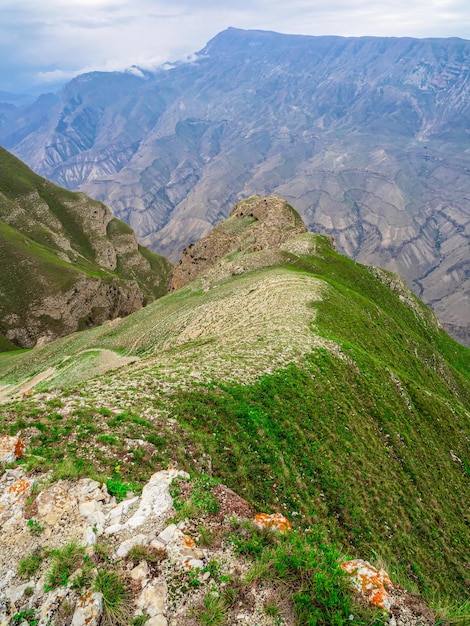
x=49 y=607
x=88 y=508
x=88 y=610
x=158 y=620
x=140 y=572
x=189 y=541
x=55 y=502
x=11 y=448
x=152 y=600
x=276 y=521
x=167 y=534
x=369 y=582
x=155 y=500
x=127 y=545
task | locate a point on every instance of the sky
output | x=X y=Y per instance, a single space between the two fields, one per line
x=44 y=43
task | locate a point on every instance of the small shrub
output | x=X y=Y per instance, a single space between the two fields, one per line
x=102 y=552
x=64 y=562
x=115 y=597
x=212 y=611
x=146 y=553
x=271 y=608
x=30 y=564
x=25 y=616
x=82 y=579
x=120 y=489
x=250 y=540
x=200 y=501
x=207 y=538
x=34 y=527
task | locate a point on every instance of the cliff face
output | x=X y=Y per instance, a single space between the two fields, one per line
x=67 y=263
x=253 y=225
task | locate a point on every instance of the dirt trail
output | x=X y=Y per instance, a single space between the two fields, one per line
x=9 y=391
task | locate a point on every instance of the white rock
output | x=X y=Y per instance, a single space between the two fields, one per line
x=152 y=600
x=158 y=620
x=156 y=499
x=52 y=602
x=88 y=610
x=14 y=593
x=167 y=534
x=140 y=572
x=129 y=544
x=88 y=508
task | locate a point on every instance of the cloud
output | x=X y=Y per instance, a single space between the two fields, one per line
x=54 y=40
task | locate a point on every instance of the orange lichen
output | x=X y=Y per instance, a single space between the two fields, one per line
x=188 y=541
x=20 y=488
x=19 y=448
x=276 y=520
x=11 y=448
x=369 y=582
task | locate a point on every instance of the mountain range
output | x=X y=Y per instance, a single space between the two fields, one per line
x=367 y=137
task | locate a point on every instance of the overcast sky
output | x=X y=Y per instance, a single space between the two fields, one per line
x=45 y=42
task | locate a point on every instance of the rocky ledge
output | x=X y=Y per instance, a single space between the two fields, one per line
x=67 y=546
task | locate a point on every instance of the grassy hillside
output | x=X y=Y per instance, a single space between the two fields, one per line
x=315 y=386
x=51 y=240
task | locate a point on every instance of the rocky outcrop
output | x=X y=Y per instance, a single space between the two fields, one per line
x=90 y=302
x=67 y=263
x=11 y=449
x=254 y=225
x=166 y=564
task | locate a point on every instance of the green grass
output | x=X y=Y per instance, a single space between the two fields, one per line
x=65 y=561
x=30 y=564
x=115 y=597
x=308 y=565
x=35 y=218
x=363 y=431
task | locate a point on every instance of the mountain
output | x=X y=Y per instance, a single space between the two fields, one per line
x=306 y=383
x=368 y=137
x=67 y=263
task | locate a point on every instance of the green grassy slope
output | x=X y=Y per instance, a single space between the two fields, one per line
x=50 y=238
x=310 y=387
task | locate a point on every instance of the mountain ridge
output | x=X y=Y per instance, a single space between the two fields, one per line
x=309 y=384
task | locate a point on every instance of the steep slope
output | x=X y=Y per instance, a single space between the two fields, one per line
x=306 y=382
x=367 y=137
x=67 y=263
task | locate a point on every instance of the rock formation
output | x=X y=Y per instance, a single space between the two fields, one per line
x=67 y=263
x=254 y=225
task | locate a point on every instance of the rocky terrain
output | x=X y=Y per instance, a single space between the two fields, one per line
x=67 y=263
x=171 y=565
x=366 y=137
x=283 y=440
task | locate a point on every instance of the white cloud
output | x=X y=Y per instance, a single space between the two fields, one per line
x=55 y=39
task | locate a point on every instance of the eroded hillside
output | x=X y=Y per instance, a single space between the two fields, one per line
x=366 y=137
x=67 y=263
